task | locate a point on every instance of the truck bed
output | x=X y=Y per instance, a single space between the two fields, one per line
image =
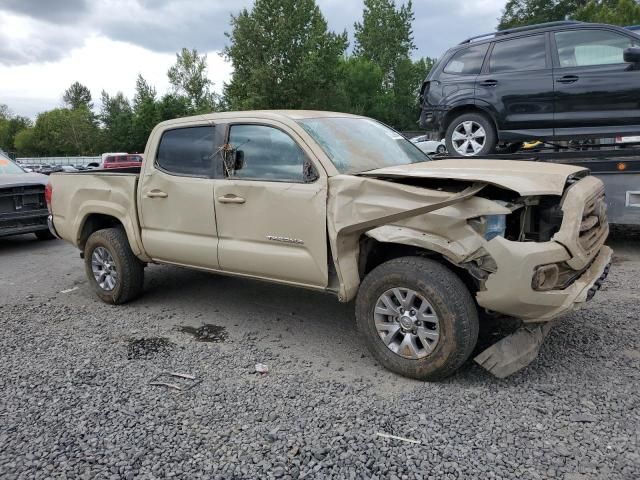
x=79 y=194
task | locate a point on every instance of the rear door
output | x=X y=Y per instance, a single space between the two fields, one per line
x=516 y=82
x=596 y=92
x=271 y=211
x=177 y=214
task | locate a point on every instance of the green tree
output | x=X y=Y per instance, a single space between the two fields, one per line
x=360 y=86
x=145 y=114
x=616 y=12
x=172 y=105
x=10 y=125
x=77 y=96
x=188 y=77
x=24 y=142
x=61 y=131
x=385 y=35
x=116 y=116
x=384 y=38
x=283 y=56
x=9 y=128
x=528 y=12
x=5 y=113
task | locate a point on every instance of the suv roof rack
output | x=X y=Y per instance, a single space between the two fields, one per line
x=520 y=29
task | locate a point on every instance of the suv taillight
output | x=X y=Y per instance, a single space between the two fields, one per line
x=48 y=194
x=424 y=90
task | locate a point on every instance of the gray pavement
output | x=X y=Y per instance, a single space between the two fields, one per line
x=75 y=399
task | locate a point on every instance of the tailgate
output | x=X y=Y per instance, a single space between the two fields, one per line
x=75 y=196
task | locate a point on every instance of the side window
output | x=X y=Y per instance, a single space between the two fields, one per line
x=187 y=151
x=467 y=61
x=582 y=48
x=519 y=55
x=267 y=153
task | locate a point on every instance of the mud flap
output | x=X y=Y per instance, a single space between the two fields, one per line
x=515 y=351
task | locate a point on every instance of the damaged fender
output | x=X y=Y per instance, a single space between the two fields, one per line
x=358 y=204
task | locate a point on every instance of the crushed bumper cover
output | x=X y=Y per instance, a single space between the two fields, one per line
x=519 y=349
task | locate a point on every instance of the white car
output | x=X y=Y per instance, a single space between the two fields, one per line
x=633 y=139
x=429 y=146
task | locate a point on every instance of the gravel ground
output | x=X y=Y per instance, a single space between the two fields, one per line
x=76 y=401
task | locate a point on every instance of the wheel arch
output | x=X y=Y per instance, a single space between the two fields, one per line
x=468 y=108
x=92 y=221
x=375 y=251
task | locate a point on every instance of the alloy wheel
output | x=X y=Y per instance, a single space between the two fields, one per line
x=406 y=323
x=468 y=138
x=104 y=269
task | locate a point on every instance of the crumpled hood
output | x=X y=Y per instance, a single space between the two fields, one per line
x=18 y=179
x=526 y=178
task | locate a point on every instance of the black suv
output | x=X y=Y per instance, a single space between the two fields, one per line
x=553 y=81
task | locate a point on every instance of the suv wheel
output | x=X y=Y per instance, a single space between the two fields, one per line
x=417 y=317
x=471 y=135
x=114 y=272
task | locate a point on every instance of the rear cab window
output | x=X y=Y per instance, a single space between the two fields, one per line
x=187 y=151
x=467 y=61
x=519 y=55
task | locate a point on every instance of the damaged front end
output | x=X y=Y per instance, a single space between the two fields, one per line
x=533 y=253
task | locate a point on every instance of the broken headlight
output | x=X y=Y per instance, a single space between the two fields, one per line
x=490 y=226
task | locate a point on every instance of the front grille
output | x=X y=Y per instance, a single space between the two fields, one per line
x=584 y=226
x=22 y=199
x=594 y=222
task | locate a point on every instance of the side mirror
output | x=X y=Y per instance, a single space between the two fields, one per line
x=631 y=55
x=309 y=172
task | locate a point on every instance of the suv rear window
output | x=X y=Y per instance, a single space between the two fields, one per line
x=519 y=55
x=467 y=61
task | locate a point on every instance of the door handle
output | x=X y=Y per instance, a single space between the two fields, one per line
x=231 y=198
x=568 y=79
x=489 y=83
x=156 y=194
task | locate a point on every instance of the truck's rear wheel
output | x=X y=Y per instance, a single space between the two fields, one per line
x=418 y=318
x=114 y=272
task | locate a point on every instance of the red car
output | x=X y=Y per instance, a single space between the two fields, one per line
x=122 y=160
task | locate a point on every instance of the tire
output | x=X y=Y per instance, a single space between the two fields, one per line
x=129 y=270
x=44 y=235
x=441 y=149
x=476 y=119
x=448 y=298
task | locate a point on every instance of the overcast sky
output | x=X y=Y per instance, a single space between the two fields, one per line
x=45 y=45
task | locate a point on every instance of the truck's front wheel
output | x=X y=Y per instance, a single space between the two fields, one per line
x=418 y=318
x=114 y=272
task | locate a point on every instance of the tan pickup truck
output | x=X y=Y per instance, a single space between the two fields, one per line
x=343 y=204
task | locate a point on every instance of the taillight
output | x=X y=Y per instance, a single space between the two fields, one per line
x=48 y=194
x=424 y=91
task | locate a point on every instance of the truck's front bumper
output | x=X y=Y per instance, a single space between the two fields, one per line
x=536 y=309
x=509 y=291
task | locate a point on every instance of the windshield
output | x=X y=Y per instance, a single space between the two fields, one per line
x=7 y=167
x=357 y=145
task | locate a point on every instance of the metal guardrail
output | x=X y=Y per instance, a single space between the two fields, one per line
x=58 y=160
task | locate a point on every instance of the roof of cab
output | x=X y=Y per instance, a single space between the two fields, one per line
x=266 y=114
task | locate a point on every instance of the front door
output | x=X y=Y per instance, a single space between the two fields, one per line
x=517 y=82
x=596 y=92
x=177 y=213
x=271 y=208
